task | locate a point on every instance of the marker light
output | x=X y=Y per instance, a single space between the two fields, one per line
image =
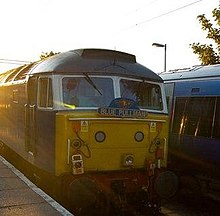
x=139 y=136
x=100 y=136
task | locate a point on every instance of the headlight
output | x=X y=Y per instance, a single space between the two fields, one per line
x=139 y=136
x=128 y=160
x=100 y=136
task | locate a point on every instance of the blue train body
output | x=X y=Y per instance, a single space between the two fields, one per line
x=193 y=97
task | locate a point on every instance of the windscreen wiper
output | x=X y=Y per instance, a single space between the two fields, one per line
x=88 y=79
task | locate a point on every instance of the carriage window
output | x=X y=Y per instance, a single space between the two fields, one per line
x=45 y=93
x=180 y=106
x=169 y=87
x=147 y=95
x=194 y=116
x=87 y=91
x=216 y=131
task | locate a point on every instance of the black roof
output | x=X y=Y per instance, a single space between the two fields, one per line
x=95 y=61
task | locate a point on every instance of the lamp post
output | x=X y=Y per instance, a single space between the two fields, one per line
x=165 y=53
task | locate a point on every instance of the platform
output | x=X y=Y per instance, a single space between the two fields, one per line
x=19 y=196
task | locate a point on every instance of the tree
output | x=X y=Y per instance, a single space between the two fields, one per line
x=209 y=54
x=47 y=54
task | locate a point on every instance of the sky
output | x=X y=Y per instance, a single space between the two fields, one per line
x=32 y=27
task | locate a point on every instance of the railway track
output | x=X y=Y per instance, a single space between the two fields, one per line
x=189 y=204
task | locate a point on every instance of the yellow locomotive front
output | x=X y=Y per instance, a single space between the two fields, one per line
x=111 y=144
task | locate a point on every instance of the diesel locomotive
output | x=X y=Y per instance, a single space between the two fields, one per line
x=89 y=126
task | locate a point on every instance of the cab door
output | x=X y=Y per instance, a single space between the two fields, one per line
x=30 y=115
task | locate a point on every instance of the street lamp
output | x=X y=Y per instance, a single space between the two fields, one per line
x=165 y=53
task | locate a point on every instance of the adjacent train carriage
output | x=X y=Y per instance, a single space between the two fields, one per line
x=193 y=97
x=93 y=125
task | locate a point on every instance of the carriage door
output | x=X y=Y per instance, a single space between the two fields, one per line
x=30 y=116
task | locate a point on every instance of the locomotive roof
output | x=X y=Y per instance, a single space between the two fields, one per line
x=95 y=61
x=197 y=72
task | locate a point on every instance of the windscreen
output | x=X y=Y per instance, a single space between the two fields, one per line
x=147 y=95
x=87 y=91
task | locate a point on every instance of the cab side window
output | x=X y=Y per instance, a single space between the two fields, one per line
x=32 y=91
x=45 y=97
